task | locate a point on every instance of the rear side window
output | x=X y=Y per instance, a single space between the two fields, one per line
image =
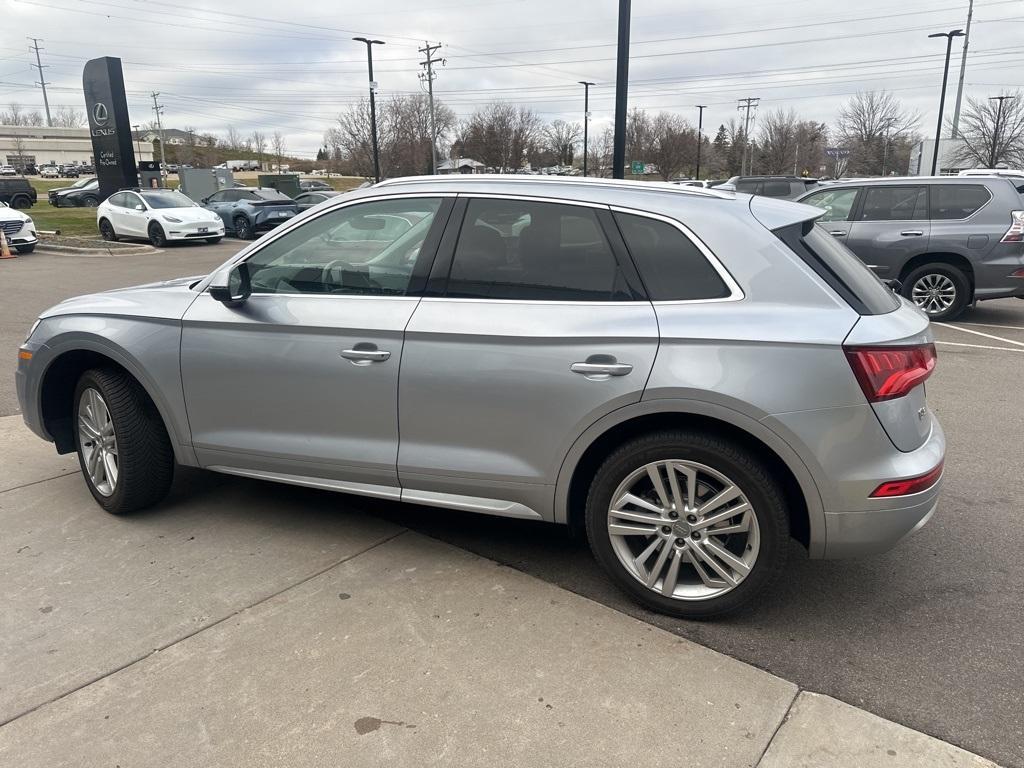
x=776 y=188
x=894 y=204
x=840 y=268
x=523 y=250
x=750 y=187
x=671 y=266
x=957 y=201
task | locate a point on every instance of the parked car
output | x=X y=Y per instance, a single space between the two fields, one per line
x=17 y=193
x=86 y=168
x=247 y=212
x=787 y=187
x=69 y=172
x=158 y=215
x=172 y=167
x=308 y=199
x=18 y=228
x=948 y=240
x=8 y=170
x=315 y=185
x=1017 y=177
x=605 y=354
x=49 y=172
x=83 y=193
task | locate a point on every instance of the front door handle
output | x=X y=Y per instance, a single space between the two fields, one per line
x=837 y=233
x=365 y=353
x=912 y=233
x=602 y=370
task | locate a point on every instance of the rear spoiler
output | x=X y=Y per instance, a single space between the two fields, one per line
x=776 y=214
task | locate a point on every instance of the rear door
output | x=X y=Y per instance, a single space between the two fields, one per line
x=890 y=227
x=838 y=206
x=533 y=328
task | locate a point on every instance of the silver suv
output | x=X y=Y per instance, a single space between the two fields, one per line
x=692 y=376
x=949 y=241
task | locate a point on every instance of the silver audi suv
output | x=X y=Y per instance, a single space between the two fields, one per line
x=692 y=376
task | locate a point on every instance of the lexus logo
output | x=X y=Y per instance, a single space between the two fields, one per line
x=99 y=114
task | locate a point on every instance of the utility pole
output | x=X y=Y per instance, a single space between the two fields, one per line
x=373 y=104
x=745 y=105
x=621 y=93
x=42 y=81
x=158 y=109
x=942 y=95
x=995 y=132
x=586 y=120
x=963 y=69
x=700 y=135
x=428 y=51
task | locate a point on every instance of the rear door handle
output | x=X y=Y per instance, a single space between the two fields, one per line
x=912 y=233
x=365 y=353
x=601 y=369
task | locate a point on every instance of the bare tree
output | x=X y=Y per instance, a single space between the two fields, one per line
x=501 y=135
x=777 y=141
x=19 y=149
x=233 y=139
x=259 y=146
x=600 y=152
x=639 y=136
x=561 y=138
x=875 y=127
x=13 y=115
x=68 y=117
x=674 y=148
x=984 y=141
x=278 y=142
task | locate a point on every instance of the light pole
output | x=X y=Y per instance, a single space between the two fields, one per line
x=700 y=135
x=942 y=96
x=621 y=93
x=138 y=139
x=995 y=131
x=586 y=120
x=373 y=104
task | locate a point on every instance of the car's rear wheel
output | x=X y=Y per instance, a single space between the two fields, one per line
x=90 y=201
x=122 y=444
x=243 y=229
x=107 y=231
x=942 y=291
x=21 y=201
x=213 y=240
x=687 y=523
x=156 y=235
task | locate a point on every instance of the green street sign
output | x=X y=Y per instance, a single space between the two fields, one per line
x=637 y=167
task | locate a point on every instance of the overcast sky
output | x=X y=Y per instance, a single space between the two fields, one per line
x=291 y=66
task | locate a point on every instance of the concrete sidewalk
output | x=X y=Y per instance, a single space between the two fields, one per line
x=248 y=624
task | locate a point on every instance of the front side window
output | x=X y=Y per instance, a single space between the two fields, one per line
x=217 y=197
x=132 y=201
x=671 y=266
x=957 y=201
x=524 y=250
x=836 y=203
x=894 y=204
x=364 y=249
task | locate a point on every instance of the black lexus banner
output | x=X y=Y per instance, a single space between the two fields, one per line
x=109 y=124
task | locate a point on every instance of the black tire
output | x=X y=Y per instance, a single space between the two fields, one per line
x=144 y=455
x=25 y=248
x=157 y=236
x=745 y=470
x=21 y=202
x=90 y=202
x=243 y=228
x=961 y=284
x=107 y=231
x=213 y=240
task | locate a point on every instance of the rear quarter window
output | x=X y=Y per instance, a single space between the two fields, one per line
x=957 y=201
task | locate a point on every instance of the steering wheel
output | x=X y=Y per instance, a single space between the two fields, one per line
x=325 y=275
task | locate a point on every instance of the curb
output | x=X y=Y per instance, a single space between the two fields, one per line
x=99 y=251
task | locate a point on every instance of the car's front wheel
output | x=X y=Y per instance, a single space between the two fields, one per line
x=157 y=236
x=687 y=523
x=942 y=291
x=243 y=228
x=107 y=231
x=123 y=447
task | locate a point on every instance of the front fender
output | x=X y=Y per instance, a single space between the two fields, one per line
x=753 y=427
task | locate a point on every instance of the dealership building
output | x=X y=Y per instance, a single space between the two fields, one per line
x=39 y=145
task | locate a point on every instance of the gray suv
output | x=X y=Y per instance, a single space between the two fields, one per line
x=949 y=241
x=691 y=376
x=249 y=211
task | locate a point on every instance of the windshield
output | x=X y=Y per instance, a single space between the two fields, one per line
x=82 y=183
x=271 y=194
x=169 y=199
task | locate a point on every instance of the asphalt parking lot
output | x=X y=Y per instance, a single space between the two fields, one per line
x=929 y=635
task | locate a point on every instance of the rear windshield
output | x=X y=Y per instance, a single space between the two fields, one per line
x=271 y=194
x=840 y=268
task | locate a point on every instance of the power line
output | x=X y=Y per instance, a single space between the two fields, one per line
x=747 y=103
x=158 y=109
x=42 y=80
x=428 y=51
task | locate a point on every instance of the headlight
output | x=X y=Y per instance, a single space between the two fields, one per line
x=172 y=219
x=32 y=330
x=28 y=222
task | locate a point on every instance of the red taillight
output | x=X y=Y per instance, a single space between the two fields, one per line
x=888 y=372
x=908 y=486
x=1015 y=234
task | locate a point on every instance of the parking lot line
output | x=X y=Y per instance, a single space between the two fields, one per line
x=996 y=325
x=979 y=333
x=978 y=346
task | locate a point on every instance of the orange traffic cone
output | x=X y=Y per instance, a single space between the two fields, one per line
x=5 y=249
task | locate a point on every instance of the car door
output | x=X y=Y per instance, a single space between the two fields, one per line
x=301 y=380
x=135 y=220
x=533 y=328
x=219 y=203
x=838 y=206
x=890 y=227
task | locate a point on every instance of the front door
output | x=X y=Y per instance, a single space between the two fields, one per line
x=890 y=227
x=537 y=331
x=301 y=381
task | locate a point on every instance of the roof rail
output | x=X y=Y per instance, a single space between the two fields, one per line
x=650 y=186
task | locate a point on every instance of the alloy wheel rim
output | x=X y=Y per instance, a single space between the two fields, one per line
x=684 y=530
x=934 y=293
x=156 y=235
x=98 y=442
x=242 y=226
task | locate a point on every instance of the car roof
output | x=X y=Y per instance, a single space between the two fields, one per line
x=904 y=180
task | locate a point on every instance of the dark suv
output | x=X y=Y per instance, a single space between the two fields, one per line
x=248 y=211
x=788 y=187
x=17 y=193
x=948 y=240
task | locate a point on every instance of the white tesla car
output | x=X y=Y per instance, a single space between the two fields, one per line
x=157 y=215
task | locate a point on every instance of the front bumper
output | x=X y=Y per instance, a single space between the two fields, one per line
x=190 y=231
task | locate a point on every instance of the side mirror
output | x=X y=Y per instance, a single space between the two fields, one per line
x=233 y=287
x=140 y=207
x=205 y=200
